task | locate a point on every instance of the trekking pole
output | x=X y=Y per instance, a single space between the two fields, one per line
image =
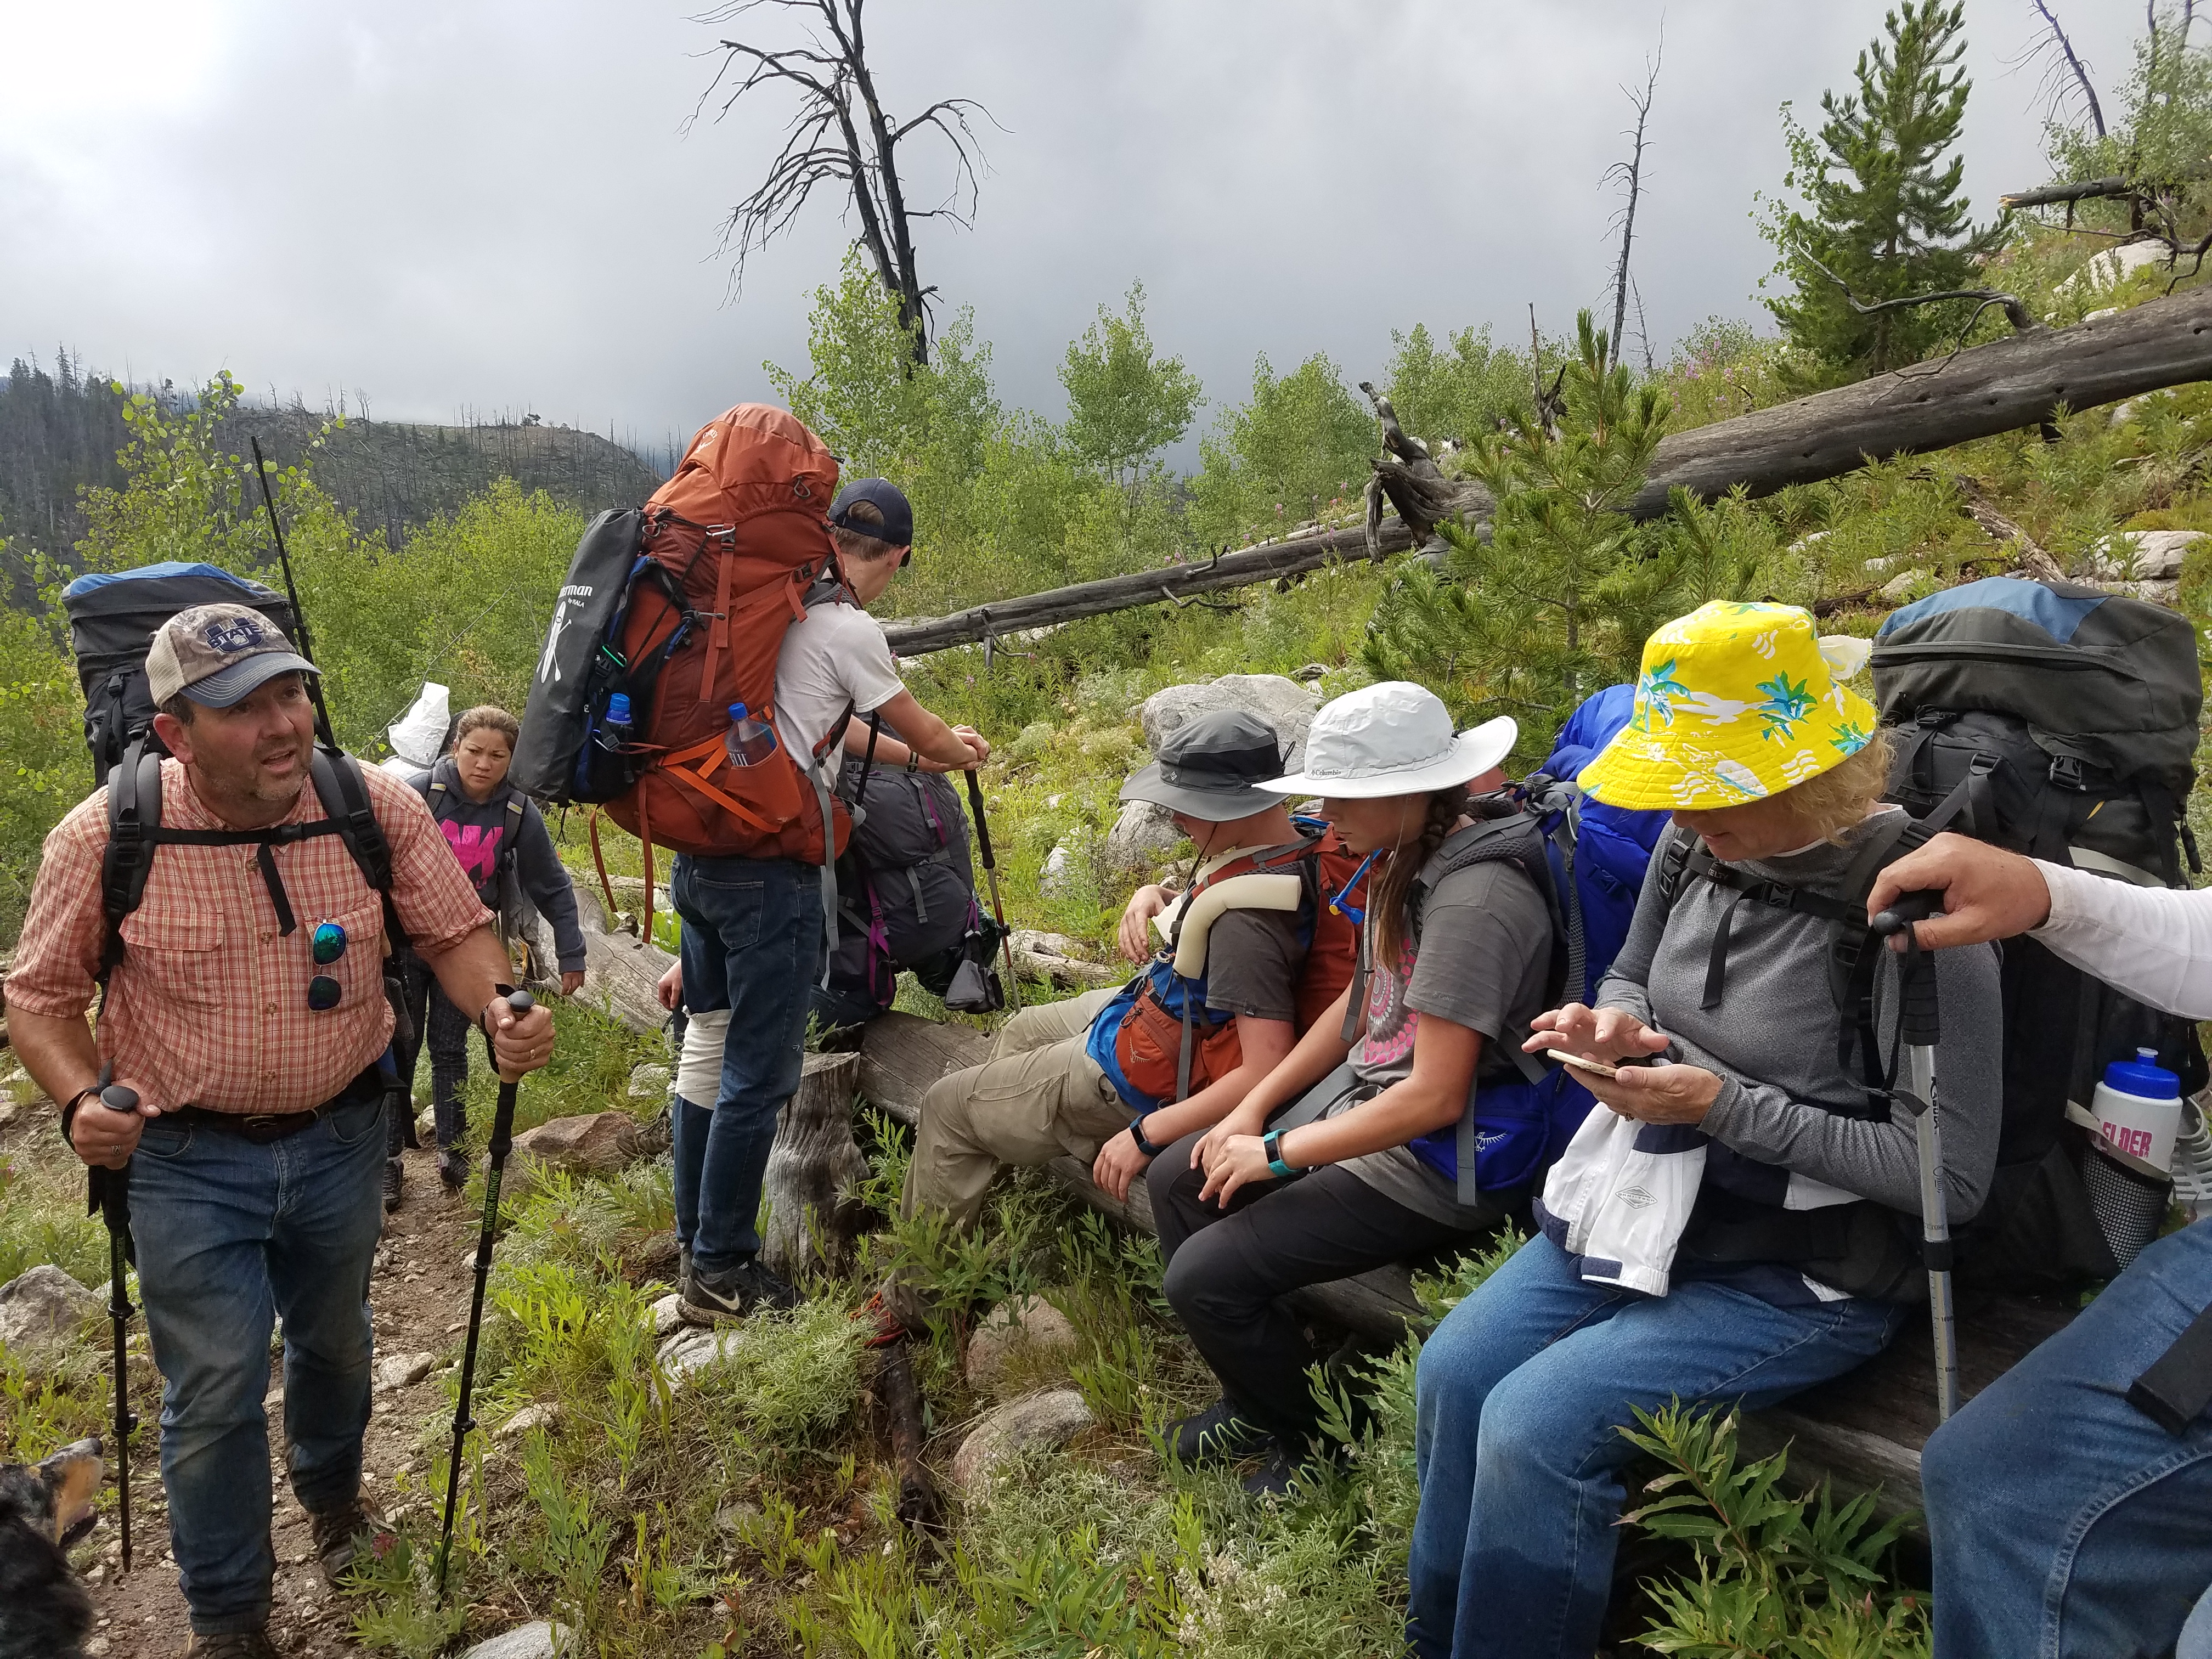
x=502 y=1138
x=110 y=1196
x=1919 y=1029
x=991 y=872
x=292 y=593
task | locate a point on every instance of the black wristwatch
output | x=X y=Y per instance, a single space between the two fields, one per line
x=1137 y=1135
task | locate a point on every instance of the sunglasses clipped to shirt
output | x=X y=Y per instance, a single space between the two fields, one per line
x=328 y=943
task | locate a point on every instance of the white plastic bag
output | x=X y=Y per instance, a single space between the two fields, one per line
x=419 y=735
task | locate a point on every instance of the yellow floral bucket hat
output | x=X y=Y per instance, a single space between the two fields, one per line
x=1737 y=701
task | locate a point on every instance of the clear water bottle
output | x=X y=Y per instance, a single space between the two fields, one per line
x=615 y=730
x=750 y=741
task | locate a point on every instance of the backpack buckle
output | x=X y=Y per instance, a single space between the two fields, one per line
x=2066 y=774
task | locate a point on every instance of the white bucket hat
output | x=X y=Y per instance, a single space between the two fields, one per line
x=1394 y=738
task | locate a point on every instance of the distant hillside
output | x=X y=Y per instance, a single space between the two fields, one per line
x=60 y=430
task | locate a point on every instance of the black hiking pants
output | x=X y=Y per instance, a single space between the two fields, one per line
x=444 y=1031
x=1227 y=1272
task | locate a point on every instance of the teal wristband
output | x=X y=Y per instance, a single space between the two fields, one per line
x=1271 y=1143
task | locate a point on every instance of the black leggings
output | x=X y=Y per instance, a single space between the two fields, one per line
x=445 y=1030
x=1226 y=1272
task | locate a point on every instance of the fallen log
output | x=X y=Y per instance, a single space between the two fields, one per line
x=1971 y=393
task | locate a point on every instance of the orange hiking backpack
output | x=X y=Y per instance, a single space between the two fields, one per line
x=742 y=529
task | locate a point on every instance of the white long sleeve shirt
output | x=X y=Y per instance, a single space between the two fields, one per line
x=2153 y=943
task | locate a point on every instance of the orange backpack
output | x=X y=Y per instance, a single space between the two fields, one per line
x=743 y=533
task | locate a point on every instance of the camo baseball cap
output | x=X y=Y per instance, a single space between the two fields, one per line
x=218 y=655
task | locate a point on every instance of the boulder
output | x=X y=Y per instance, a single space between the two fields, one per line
x=2143 y=564
x=667 y=1314
x=648 y=1082
x=398 y=1370
x=2114 y=266
x=1283 y=703
x=538 y=1640
x=1020 y=1324
x=1143 y=834
x=43 y=1314
x=1898 y=588
x=596 y=1144
x=530 y=1417
x=1050 y=1418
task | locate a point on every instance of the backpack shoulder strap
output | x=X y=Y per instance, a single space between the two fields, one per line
x=134 y=816
x=344 y=795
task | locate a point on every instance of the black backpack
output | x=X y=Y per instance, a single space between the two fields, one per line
x=113 y=616
x=2063 y=720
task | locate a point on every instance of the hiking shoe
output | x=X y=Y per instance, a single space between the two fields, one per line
x=394 y=1177
x=1275 y=1476
x=708 y=1298
x=452 y=1169
x=1219 y=1434
x=244 y=1644
x=338 y=1534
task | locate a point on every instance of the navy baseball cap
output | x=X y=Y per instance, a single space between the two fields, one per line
x=888 y=499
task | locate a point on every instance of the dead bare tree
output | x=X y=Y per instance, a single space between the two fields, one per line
x=840 y=136
x=1631 y=173
x=2068 y=66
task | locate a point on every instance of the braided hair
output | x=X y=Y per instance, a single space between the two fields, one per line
x=1387 y=898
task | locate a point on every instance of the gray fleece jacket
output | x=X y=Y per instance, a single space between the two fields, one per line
x=477 y=834
x=1773 y=1041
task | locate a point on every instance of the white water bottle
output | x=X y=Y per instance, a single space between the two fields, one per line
x=750 y=741
x=2138 y=1109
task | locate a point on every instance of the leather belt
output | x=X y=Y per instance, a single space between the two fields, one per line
x=259 y=1128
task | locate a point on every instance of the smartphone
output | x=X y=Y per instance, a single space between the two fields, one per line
x=1597 y=1066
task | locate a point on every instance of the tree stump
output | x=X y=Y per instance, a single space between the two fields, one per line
x=813 y=1170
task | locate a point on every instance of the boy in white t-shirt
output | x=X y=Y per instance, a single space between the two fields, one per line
x=753 y=928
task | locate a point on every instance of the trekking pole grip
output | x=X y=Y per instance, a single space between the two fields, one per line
x=1921 y=1024
x=519 y=1003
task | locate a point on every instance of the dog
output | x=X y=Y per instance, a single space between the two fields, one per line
x=44 y=1509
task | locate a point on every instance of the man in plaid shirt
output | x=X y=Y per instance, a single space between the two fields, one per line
x=254 y=1049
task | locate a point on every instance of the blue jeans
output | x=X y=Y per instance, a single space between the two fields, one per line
x=2063 y=1522
x=229 y=1235
x=1518 y=1397
x=752 y=944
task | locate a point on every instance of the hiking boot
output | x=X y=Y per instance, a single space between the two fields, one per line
x=1219 y=1434
x=244 y=1644
x=708 y=1299
x=452 y=1169
x=395 y=1176
x=338 y=1534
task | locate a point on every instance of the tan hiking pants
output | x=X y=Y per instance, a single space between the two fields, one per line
x=1038 y=1096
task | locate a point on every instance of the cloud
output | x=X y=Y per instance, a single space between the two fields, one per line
x=457 y=204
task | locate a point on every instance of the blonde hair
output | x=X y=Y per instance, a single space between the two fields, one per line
x=1838 y=800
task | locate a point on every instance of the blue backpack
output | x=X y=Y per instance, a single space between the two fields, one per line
x=1598 y=855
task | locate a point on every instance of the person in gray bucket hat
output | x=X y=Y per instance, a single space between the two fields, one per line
x=1113 y=1076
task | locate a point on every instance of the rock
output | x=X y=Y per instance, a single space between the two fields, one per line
x=681 y=1337
x=2143 y=564
x=539 y=1639
x=1283 y=703
x=1022 y=1323
x=2114 y=266
x=1059 y=879
x=684 y=1358
x=1048 y=1419
x=596 y=1144
x=1142 y=834
x=398 y=1370
x=542 y=1416
x=733 y=1518
x=667 y=1314
x=1811 y=540
x=43 y=1314
x=1899 y=587
x=10 y=1111
x=648 y=1082
x=1051 y=944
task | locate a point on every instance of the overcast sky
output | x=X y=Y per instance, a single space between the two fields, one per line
x=495 y=205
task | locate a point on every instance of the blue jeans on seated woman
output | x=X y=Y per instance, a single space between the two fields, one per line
x=230 y=1235
x=2064 y=1522
x=1520 y=1395
x=752 y=944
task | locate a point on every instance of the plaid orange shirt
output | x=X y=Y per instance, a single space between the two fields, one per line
x=208 y=1007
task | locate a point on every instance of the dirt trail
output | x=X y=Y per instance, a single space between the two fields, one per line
x=419 y=1298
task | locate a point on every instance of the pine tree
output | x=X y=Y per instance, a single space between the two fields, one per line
x=1888 y=215
x=1557 y=603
